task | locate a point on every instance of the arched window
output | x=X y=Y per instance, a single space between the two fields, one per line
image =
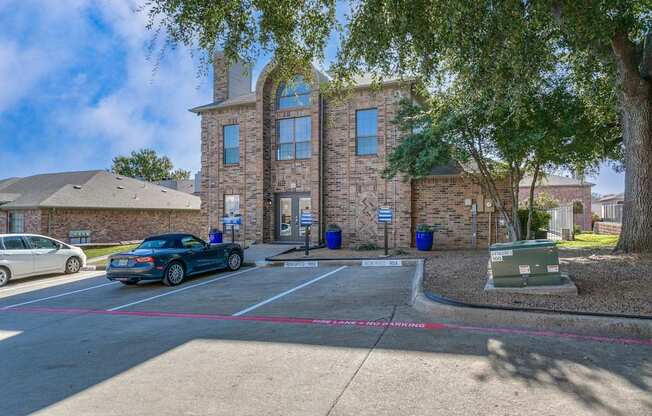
x=293 y=94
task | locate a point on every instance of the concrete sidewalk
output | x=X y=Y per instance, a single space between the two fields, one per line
x=259 y=252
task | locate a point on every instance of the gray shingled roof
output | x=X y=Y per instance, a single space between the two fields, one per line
x=230 y=102
x=183 y=185
x=91 y=189
x=554 y=180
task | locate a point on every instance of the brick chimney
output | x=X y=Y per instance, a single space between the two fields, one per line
x=230 y=81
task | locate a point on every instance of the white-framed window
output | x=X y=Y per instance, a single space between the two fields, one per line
x=16 y=222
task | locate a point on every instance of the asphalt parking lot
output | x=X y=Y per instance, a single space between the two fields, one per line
x=290 y=341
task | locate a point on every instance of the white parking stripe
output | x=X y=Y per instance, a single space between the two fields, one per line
x=46 y=282
x=287 y=292
x=180 y=290
x=58 y=296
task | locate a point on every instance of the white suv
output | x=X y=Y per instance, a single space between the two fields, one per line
x=23 y=255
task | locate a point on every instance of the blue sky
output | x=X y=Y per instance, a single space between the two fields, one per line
x=76 y=89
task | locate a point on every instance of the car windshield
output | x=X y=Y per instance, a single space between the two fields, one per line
x=157 y=243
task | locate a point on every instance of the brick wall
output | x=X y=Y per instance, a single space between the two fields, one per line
x=219 y=179
x=354 y=188
x=110 y=226
x=220 y=78
x=566 y=195
x=440 y=201
x=353 y=185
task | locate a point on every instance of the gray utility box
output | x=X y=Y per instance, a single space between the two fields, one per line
x=525 y=263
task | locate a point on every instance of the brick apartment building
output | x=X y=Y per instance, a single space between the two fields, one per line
x=94 y=207
x=270 y=153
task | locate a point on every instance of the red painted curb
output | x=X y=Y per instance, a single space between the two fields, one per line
x=429 y=326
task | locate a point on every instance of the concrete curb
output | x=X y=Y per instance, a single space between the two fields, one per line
x=629 y=327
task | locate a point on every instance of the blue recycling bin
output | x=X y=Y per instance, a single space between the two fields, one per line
x=334 y=239
x=424 y=240
x=215 y=236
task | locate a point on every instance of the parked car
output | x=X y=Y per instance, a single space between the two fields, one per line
x=170 y=258
x=23 y=255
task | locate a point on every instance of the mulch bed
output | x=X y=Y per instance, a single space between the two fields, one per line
x=607 y=283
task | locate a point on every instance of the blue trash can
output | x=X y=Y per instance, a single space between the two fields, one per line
x=424 y=240
x=334 y=239
x=215 y=236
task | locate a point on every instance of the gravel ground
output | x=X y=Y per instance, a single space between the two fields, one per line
x=607 y=283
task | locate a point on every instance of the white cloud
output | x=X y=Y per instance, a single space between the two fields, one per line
x=138 y=108
x=39 y=38
x=149 y=109
x=20 y=71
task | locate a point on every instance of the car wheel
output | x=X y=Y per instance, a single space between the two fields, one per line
x=174 y=274
x=234 y=261
x=5 y=276
x=73 y=265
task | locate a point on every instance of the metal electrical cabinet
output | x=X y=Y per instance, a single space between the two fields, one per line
x=525 y=263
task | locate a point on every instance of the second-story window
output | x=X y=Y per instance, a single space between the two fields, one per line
x=231 y=144
x=295 y=93
x=366 y=130
x=294 y=138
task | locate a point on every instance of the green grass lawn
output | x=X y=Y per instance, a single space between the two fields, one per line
x=104 y=251
x=589 y=240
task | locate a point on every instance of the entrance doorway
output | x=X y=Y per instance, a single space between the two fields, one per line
x=288 y=210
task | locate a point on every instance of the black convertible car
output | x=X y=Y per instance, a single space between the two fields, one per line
x=172 y=257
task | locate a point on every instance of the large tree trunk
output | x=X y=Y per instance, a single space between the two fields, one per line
x=635 y=96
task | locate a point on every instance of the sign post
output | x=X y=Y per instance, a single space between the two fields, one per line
x=385 y=216
x=232 y=220
x=306 y=221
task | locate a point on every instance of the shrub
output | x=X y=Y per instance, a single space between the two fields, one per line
x=578 y=207
x=333 y=227
x=540 y=220
x=425 y=228
x=368 y=246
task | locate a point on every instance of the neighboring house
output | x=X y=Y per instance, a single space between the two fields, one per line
x=598 y=204
x=94 y=207
x=566 y=191
x=611 y=207
x=268 y=154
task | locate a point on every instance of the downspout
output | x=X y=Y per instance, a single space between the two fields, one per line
x=321 y=170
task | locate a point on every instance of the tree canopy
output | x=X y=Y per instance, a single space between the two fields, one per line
x=600 y=49
x=146 y=164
